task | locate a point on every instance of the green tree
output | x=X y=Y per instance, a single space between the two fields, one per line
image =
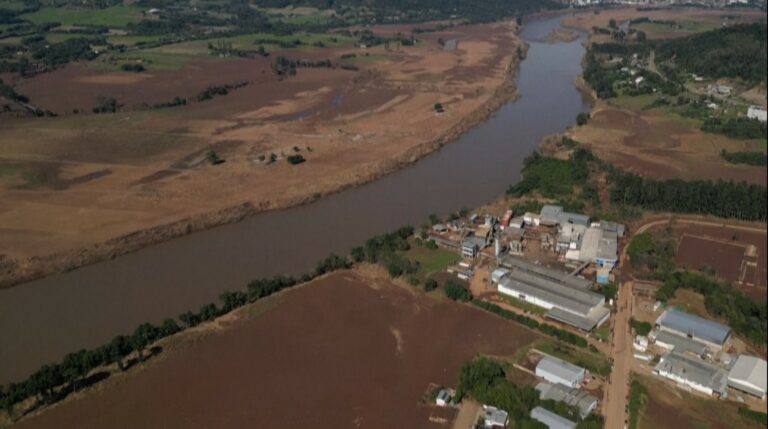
x=582 y=119
x=456 y=292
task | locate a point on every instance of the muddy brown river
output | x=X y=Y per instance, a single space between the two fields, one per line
x=43 y=320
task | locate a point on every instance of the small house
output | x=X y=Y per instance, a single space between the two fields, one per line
x=443 y=398
x=494 y=417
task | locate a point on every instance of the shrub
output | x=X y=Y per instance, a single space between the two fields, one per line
x=456 y=292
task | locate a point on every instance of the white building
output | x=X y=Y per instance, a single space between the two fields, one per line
x=556 y=370
x=757 y=112
x=693 y=373
x=443 y=397
x=551 y=420
x=749 y=375
x=494 y=417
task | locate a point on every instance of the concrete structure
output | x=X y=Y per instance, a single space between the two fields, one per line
x=679 y=344
x=580 y=399
x=439 y=227
x=551 y=420
x=533 y=219
x=713 y=334
x=599 y=247
x=749 y=375
x=443 y=397
x=693 y=373
x=604 y=275
x=472 y=245
x=757 y=112
x=640 y=343
x=494 y=417
x=559 y=371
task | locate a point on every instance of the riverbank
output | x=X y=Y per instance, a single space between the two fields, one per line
x=497 y=89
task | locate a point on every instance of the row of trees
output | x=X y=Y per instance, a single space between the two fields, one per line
x=736 y=128
x=485 y=380
x=77 y=370
x=745 y=316
x=722 y=199
x=748 y=158
x=560 y=334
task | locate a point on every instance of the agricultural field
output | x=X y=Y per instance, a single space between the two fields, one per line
x=114 y=16
x=668 y=407
x=365 y=361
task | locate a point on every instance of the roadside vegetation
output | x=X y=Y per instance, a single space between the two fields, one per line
x=638 y=397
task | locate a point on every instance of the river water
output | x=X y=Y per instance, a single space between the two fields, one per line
x=43 y=320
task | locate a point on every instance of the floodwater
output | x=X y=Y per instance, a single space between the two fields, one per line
x=43 y=320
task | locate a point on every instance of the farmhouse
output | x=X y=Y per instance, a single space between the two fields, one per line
x=550 y=419
x=749 y=375
x=494 y=417
x=693 y=373
x=580 y=399
x=713 y=334
x=556 y=370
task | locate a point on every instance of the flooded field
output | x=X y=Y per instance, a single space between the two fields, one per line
x=348 y=350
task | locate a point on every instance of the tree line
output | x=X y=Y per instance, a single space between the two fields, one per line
x=738 y=200
x=748 y=158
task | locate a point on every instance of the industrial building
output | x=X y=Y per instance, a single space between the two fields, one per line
x=565 y=296
x=556 y=370
x=472 y=245
x=693 y=373
x=679 y=344
x=749 y=375
x=551 y=420
x=580 y=399
x=555 y=216
x=598 y=246
x=713 y=334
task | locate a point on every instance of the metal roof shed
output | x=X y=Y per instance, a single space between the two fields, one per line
x=749 y=375
x=552 y=420
x=694 y=327
x=557 y=370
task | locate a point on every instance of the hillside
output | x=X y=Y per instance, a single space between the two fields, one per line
x=731 y=52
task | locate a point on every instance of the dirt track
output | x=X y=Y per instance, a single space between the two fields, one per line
x=344 y=351
x=351 y=127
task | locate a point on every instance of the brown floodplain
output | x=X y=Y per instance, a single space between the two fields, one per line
x=348 y=350
x=351 y=126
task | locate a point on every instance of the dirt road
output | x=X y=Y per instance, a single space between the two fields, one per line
x=615 y=402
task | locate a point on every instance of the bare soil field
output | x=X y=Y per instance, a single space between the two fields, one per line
x=656 y=145
x=348 y=350
x=691 y=20
x=669 y=407
x=59 y=208
x=727 y=259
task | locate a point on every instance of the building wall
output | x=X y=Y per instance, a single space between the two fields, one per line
x=688 y=383
x=746 y=388
x=713 y=346
x=532 y=299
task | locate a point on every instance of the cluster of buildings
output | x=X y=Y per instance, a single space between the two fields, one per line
x=567 y=298
x=694 y=356
x=562 y=382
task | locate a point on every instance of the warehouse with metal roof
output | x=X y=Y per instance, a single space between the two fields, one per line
x=693 y=373
x=713 y=334
x=679 y=344
x=749 y=375
x=556 y=276
x=556 y=370
x=551 y=420
x=546 y=288
x=580 y=399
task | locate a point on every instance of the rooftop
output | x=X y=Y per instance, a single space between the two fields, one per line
x=552 y=420
x=682 y=344
x=574 y=300
x=585 y=323
x=495 y=416
x=560 y=368
x=571 y=396
x=695 y=370
x=574 y=218
x=547 y=273
x=694 y=326
x=750 y=370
